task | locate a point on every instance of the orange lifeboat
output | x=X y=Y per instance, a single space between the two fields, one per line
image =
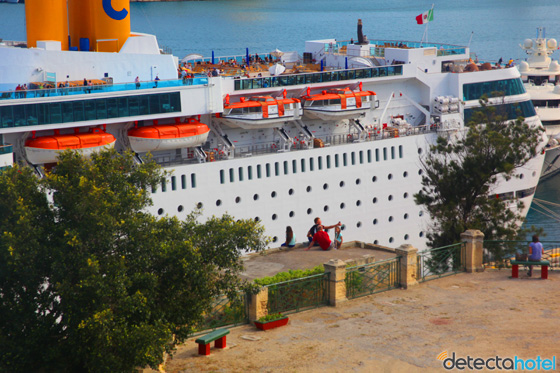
x=45 y=149
x=169 y=136
x=336 y=104
x=261 y=112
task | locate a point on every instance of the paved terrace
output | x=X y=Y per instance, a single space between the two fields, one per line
x=479 y=315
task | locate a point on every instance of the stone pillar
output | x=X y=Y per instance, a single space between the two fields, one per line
x=472 y=251
x=336 y=269
x=408 y=265
x=258 y=304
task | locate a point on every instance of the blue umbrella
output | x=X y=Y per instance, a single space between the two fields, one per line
x=346 y=63
x=322 y=65
x=212 y=57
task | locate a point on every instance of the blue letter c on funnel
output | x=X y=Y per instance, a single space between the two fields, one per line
x=111 y=12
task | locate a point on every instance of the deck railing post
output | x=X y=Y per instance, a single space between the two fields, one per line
x=258 y=305
x=336 y=269
x=472 y=251
x=408 y=265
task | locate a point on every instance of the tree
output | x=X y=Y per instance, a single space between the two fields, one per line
x=459 y=176
x=89 y=281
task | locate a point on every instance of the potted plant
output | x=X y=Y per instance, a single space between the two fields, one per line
x=274 y=320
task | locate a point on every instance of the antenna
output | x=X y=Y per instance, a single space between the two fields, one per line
x=470 y=39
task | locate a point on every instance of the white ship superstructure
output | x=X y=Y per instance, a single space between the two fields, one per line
x=362 y=171
x=541 y=78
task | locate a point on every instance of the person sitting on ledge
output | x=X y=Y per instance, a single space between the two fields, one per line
x=323 y=239
x=290 y=238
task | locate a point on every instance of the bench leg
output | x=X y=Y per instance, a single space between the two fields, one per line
x=204 y=349
x=544 y=272
x=515 y=271
x=221 y=342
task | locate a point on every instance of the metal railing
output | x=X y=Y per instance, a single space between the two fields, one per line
x=497 y=254
x=5 y=149
x=372 y=278
x=226 y=312
x=98 y=88
x=299 y=295
x=441 y=261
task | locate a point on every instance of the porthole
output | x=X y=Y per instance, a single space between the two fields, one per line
x=374 y=221
x=374 y=179
x=405 y=174
x=521 y=176
x=358 y=181
x=420 y=172
x=390 y=218
x=292 y=214
x=421 y=213
x=358 y=203
x=374 y=200
x=275 y=239
x=326 y=208
x=291 y=192
x=390 y=176
x=325 y=186
x=160 y=212
x=405 y=216
x=273 y=194
x=390 y=198
x=180 y=208
x=237 y=199
x=274 y=216
x=342 y=227
x=199 y=205
x=359 y=224
x=405 y=195
x=406 y=236
x=421 y=234
x=219 y=202
x=534 y=173
x=341 y=184
x=256 y=197
x=342 y=205
x=309 y=211
x=257 y=219
x=419 y=150
x=375 y=242
x=308 y=189
x=391 y=240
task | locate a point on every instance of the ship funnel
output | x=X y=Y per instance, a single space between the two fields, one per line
x=46 y=20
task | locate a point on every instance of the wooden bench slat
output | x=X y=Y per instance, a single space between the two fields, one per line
x=528 y=262
x=211 y=337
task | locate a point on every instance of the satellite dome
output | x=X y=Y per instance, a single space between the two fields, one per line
x=528 y=44
x=551 y=44
x=554 y=66
x=523 y=66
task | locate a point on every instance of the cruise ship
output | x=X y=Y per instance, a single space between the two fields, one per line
x=541 y=77
x=339 y=134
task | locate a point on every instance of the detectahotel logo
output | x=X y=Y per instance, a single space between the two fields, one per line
x=495 y=363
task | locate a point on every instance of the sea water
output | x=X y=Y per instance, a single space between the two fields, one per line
x=494 y=29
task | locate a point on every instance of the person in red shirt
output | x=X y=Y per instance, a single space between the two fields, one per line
x=322 y=238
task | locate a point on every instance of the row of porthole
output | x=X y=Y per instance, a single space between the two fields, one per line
x=376 y=242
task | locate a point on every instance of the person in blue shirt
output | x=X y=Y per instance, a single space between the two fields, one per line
x=535 y=253
x=337 y=237
x=290 y=238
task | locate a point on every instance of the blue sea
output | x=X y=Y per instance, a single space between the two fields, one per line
x=493 y=28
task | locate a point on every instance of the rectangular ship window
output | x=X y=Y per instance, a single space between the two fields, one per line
x=384 y=154
x=400 y=151
x=311 y=164
x=294 y=166
x=336 y=163
x=328 y=161
x=302 y=165
x=231 y=175
x=377 y=155
x=193 y=180
x=164 y=185
x=353 y=158
x=285 y=167
x=268 y=170
x=184 y=181
x=276 y=169
x=222 y=177
x=250 y=172
x=320 y=162
x=259 y=171
x=173 y=183
x=392 y=152
x=344 y=159
x=361 y=156
x=369 y=156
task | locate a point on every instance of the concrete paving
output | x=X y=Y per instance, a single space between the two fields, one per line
x=273 y=261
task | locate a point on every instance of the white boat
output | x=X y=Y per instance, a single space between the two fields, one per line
x=541 y=77
x=363 y=173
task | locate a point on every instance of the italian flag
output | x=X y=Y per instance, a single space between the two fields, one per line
x=425 y=17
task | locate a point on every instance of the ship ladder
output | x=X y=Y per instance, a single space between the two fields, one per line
x=361 y=130
x=306 y=133
x=286 y=139
x=200 y=154
x=228 y=145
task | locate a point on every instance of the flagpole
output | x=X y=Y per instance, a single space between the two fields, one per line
x=428 y=23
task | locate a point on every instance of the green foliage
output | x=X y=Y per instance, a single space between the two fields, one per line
x=89 y=281
x=290 y=275
x=459 y=175
x=271 y=317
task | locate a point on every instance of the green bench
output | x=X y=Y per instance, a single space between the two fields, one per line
x=516 y=263
x=217 y=335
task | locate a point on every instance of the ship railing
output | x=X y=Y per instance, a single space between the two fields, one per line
x=377 y=47
x=99 y=88
x=6 y=149
x=318 y=77
x=240 y=60
x=13 y=43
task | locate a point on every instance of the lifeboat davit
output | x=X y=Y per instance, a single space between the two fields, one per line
x=261 y=112
x=45 y=149
x=168 y=136
x=336 y=104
